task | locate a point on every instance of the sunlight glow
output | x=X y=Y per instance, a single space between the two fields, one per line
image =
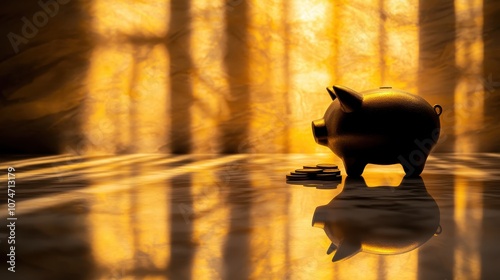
x=120 y=18
x=111 y=234
x=468 y=220
x=121 y=183
x=125 y=110
x=268 y=76
x=308 y=258
x=211 y=231
x=295 y=49
x=399 y=43
x=71 y=169
x=360 y=44
x=469 y=92
x=123 y=237
x=268 y=242
x=210 y=86
x=311 y=69
x=37 y=160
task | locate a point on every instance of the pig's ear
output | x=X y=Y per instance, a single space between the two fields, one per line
x=346 y=250
x=332 y=94
x=331 y=249
x=349 y=99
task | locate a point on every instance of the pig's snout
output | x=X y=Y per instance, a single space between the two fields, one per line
x=320 y=132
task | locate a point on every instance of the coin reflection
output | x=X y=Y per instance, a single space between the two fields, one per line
x=379 y=220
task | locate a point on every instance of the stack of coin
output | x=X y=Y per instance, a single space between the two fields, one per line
x=320 y=172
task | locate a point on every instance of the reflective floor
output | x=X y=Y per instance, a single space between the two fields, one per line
x=234 y=217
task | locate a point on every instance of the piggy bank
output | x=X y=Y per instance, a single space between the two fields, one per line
x=383 y=126
x=378 y=220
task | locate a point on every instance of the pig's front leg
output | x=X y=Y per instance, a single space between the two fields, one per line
x=354 y=167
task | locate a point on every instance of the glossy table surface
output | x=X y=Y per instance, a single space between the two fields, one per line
x=153 y=216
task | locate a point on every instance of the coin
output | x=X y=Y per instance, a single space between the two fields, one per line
x=327 y=166
x=309 y=171
x=310 y=167
x=305 y=183
x=296 y=177
x=328 y=177
x=328 y=185
x=331 y=171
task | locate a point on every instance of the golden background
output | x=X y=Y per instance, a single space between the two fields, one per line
x=116 y=76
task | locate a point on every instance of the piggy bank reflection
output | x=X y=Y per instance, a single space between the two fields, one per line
x=378 y=220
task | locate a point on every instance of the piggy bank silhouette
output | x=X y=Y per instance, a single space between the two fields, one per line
x=378 y=220
x=383 y=126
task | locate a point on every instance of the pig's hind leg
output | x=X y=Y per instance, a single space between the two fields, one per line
x=354 y=167
x=412 y=166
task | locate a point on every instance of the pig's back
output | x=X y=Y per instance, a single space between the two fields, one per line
x=395 y=112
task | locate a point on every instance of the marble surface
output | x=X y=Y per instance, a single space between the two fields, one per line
x=153 y=216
